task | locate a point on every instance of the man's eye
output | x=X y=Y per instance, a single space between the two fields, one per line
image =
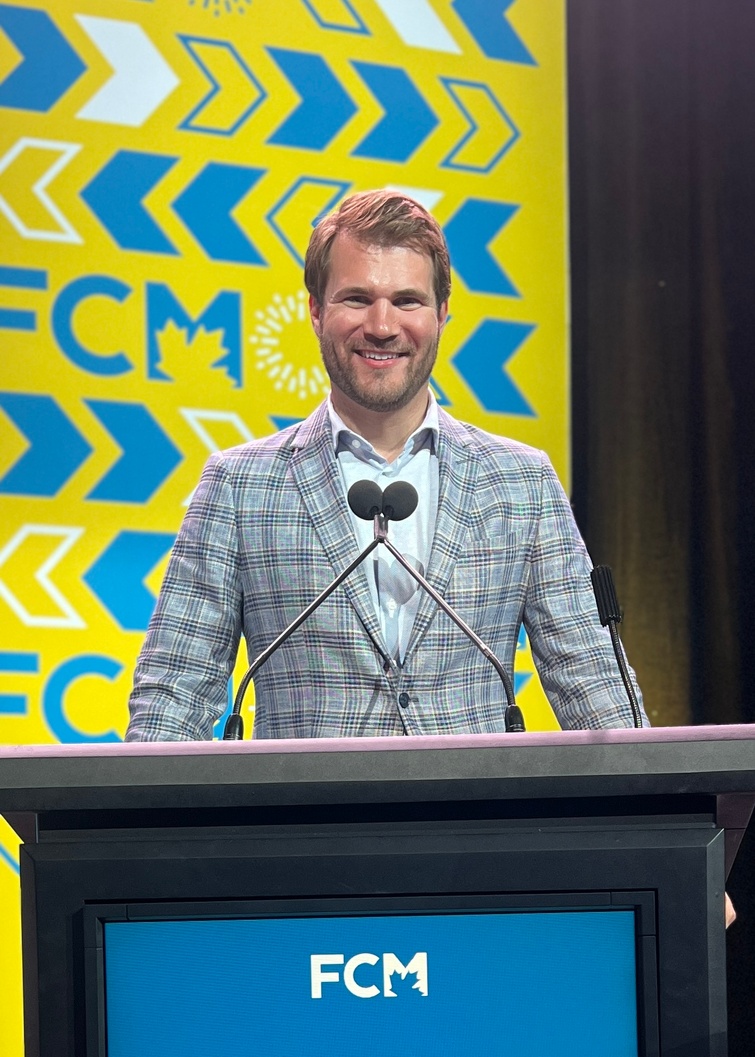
x=355 y=299
x=407 y=302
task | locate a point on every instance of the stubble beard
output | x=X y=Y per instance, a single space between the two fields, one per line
x=382 y=395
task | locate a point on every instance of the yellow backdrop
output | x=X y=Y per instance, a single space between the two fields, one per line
x=161 y=165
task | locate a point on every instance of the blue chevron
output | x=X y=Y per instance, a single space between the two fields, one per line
x=496 y=37
x=57 y=448
x=9 y=860
x=440 y=395
x=340 y=187
x=469 y=231
x=513 y=134
x=355 y=26
x=188 y=122
x=407 y=121
x=205 y=207
x=325 y=105
x=117 y=577
x=520 y=681
x=148 y=458
x=115 y=197
x=284 y=421
x=481 y=361
x=49 y=66
x=219 y=727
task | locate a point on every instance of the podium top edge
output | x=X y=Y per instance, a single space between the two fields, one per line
x=620 y=737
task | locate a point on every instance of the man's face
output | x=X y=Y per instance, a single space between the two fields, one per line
x=378 y=324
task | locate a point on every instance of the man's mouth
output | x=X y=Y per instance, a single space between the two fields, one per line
x=371 y=354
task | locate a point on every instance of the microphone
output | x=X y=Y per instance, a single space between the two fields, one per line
x=609 y=613
x=605 y=595
x=367 y=500
x=399 y=501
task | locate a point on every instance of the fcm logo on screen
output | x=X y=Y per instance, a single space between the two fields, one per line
x=322 y=972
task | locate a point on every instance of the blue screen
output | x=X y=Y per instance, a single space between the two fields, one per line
x=503 y=984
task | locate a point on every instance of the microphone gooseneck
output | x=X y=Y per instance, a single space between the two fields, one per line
x=609 y=612
x=400 y=501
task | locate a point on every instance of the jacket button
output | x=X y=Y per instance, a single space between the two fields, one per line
x=403 y=700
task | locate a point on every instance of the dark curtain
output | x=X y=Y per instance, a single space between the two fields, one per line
x=662 y=185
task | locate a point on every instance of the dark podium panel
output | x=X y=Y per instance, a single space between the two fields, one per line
x=646 y=823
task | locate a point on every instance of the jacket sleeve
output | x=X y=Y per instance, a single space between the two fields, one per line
x=181 y=678
x=572 y=651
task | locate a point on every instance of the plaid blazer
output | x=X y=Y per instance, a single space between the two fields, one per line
x=268 y=528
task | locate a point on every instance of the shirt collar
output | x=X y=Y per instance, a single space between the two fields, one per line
x=428 y=428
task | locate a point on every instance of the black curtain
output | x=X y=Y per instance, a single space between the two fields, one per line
x=662 y=185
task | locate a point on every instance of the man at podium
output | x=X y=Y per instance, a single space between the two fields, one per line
x=269 y=527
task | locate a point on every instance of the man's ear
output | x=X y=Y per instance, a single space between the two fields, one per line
x=315 y=314
x=442 y=316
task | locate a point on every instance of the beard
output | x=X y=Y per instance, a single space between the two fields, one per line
x=387 y=390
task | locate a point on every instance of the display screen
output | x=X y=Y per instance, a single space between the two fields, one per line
x=496 y=984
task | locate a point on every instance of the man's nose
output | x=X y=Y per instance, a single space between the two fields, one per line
x=381 y=321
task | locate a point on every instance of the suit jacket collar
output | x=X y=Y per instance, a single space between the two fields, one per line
x=315 y=473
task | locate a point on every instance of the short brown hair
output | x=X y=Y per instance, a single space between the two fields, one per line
x=379 y=218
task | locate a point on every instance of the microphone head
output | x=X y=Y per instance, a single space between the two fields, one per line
x=605 y=595
x=399 y=500
x=366 y=499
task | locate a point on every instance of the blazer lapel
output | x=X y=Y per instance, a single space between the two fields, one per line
x=457 y=470
x=315 y=473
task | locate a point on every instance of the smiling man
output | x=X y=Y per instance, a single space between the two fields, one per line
x=269 y=527
x=379 y=325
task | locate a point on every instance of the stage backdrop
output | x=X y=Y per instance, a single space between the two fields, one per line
x=162 y=163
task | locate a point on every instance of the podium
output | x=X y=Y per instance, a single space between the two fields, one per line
x=447 y=838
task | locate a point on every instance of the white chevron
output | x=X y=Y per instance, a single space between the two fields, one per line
x=418 y=25
x=141 y=81
x=65 y=151
x=68 y=617
x=197 y=418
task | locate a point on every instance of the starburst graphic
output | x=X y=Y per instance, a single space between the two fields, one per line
x=222 y=7
x=277 y=330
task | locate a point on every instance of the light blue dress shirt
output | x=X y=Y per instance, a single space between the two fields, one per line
x=395 y=595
